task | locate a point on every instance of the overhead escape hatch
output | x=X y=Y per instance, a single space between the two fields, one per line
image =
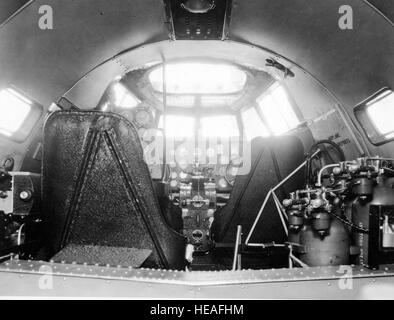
x=186 y=24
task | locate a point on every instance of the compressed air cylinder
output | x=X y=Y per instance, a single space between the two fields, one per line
x=330 y=249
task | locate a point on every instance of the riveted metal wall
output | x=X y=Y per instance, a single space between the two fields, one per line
x=30 y=278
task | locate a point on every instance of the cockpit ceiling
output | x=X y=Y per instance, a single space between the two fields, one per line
x=133 y=66
x=10 y=7
x=208 y=83
x=385 y=7
x=58 y=58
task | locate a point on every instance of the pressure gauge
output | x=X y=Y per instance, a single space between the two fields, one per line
x=143 y=117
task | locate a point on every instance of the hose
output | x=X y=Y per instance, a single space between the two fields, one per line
x=309 y=157
x=319 y=176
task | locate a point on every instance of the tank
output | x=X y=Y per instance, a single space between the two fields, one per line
x=383 y=195
x=331 y=249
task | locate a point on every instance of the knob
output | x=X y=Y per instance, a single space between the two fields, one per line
x=25 y=195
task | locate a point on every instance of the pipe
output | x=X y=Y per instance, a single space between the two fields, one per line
x=280 y=206
x=164 y=79
x=236 y=249
x=270 y=192
x=322 y=170
x=280 y=215
x=302 y=264
x=10 y=255
x=267 y=245
x=382 y=159
x=20 y=235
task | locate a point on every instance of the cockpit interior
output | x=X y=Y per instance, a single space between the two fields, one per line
x=197 y=136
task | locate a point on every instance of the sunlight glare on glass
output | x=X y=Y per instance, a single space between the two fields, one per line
x=181 y=101
x=178 y=126
x=14 y=109
x=253 y=125
x=218 y=100
x=198 y=78
x=277 y=110
x=381 y=112
x=124 y=98
x=219 y=126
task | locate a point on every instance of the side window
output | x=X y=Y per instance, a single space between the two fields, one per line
x=376 y=114
x=253 y=125
x=277 y=110
x=274 y=114
x=124 y=98
x=18 y=114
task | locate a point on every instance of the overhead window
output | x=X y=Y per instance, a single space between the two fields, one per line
x=218 y=100
x=277 y=110
x=219 y=126
x=18 y=114
x=178 y=126
x=376 y=116
x=253 y=125
x=181 y=101
x=198 y=78
x=124 y=98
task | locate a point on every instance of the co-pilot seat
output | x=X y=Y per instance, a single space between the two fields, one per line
x=272 y=159
x=99 y=203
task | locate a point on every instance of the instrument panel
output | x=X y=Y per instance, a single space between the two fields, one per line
x=199 y=190
x=184 y=174
x=196 y=185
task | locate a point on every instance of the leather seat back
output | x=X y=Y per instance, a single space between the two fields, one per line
x=272 y=160
x=97 y=189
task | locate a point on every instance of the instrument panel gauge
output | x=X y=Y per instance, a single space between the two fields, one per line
x=143 y=117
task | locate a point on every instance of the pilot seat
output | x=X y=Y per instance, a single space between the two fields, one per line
x=100 y=206
x=272 y=159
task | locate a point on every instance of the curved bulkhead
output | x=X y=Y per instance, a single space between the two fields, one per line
x=169 y=135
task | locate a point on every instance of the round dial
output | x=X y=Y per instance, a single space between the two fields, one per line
x=143 y=117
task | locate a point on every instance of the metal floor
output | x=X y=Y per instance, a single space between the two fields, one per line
x=45 y=279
